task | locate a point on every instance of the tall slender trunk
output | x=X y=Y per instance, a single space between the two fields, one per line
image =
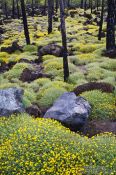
x=32 y=6
x=68 y=3
x=26 y=31
x=6 y=10
x=13 y=9
x=18 y=11
x=101 y=21
x=64 y=41
x=91 y=6
x=57 y=4
x=97 y=3
x=50 y=15
x=110 y=39
x=82 y=4
x=85 y=5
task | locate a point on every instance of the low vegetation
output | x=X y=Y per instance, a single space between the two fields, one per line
x=43 y=146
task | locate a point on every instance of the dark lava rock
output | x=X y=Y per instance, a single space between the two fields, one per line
x=110 y=54
x=50 y=49
x=104 y=87
x=88 y=15
x=11 y=101
x=6 y=66
x=34 y=111
x=70 y=110
x=12 y=48
x=88 y=22
x=29 y=75
x=1 y=30
x=95 y=127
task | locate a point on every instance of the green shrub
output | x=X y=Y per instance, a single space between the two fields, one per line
x=4 y=57
x=29 y=97
x=44 y=146
x=109 y=64
x=16 y=71
x=111 y=80
x=89 y=48
x=103 y=104
x=76 y=78
x=48 y=57
x=83 y=59
x=49 y=96
x=51 y=91
x=30 y=48
x=95 y=73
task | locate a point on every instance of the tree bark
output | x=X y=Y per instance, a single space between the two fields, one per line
x=13 y=9
x=82 y=4
x=110 y=38
x=18 y=11
x=6 y=10
x=85 y=5
x=57 y=4
x=26 y=31
x=32 y=6
x=50 y=15
x=101 y=21
x=64 y=41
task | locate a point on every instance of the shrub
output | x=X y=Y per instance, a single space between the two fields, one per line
x=89 y=48
x=4 y=57
x=95 y=73
x=29 y=97
x=49 y=96
x=76 y=78
x=51 y=91
x=44 y=146
x=16 y=71
x=30 y=48
x=48 y=57
x=103 y=104
x=109 y=64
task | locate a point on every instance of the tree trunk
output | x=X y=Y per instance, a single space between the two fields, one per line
x=101 y=21
x=13 y=9
x=91 y=1
x=50 y=15
x=6 y=10
x=18 y=11
x=85 y=5
x=110 y=39
x=97 y=3
x=32 y=6
x=26 y=31
x=57 y=4
x=82 y=4
x=64 y=42
x=68 y=3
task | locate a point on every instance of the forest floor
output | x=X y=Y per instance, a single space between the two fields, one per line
x=86 y=64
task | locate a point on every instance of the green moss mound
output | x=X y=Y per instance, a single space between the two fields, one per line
x=43 y=146
x=103 y=104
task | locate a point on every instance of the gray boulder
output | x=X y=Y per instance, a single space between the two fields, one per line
x=11 y=101
x=70 y=110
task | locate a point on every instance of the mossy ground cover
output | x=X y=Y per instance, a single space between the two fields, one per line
x=40 y=146
x=44 y=146
x=86 y=62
